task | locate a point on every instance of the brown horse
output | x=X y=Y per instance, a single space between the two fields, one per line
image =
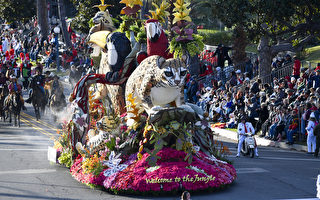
x=3 y=94
x=57 y=103
x=14 y=105
x=38 y=99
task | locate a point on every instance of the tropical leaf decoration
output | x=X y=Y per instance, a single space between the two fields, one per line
x=131 y=3
x=133 y=108
x=132 y=7
x=181 y=11
x=102 y=6
x=185 y=40
x=160 y=12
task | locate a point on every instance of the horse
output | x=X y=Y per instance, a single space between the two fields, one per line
x=4 y=91
x=14 y=106
x=38 y=99
x=57 y=103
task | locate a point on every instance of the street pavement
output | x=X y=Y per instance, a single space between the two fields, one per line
x=25 y=172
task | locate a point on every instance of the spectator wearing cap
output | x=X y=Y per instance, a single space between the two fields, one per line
x=311 y=140
x=240 y=78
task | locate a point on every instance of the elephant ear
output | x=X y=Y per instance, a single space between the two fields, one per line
x=160 y=61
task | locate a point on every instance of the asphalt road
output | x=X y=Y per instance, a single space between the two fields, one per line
x=25 y=172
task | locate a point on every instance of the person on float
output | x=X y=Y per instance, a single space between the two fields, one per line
x=245 y=127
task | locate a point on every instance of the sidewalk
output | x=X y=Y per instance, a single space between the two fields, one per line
x=260 y=141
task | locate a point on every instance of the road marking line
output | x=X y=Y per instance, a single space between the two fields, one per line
x=23 y=149
x=301 y=199
x=250 y=170
x=28 y=171
x=36 y=127
x=39 y=121
x=293 y=159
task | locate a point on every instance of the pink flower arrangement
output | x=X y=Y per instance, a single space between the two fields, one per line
x=173 y=173
x=77 y=172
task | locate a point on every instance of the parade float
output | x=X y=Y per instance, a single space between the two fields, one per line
x=131 y=131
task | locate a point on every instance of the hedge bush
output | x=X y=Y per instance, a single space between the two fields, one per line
x=214 y=37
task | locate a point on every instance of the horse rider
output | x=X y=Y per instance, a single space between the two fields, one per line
x=14 y=87
x=39 y=79
x=3 y=79
x=57 y=87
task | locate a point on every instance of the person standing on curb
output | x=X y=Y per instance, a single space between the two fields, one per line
x=311 y=140
x=316 y=133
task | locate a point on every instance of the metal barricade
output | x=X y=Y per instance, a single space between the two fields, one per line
x=278 y=73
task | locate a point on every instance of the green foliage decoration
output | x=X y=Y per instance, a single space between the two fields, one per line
x=66 y=159
x=193 y=47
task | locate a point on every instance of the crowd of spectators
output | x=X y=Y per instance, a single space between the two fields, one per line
x=22 y=48
x=278 y=110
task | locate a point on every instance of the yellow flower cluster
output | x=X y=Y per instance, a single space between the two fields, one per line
x=181 y=11
x=160 y=13
x=92 y=164
x=133 y=108
x=131 y=3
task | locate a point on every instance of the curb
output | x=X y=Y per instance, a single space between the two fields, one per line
x=260 y=141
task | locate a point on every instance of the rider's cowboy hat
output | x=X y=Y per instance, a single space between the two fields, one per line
x=13 y=77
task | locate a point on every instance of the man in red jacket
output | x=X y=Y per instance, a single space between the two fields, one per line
x=296 y=68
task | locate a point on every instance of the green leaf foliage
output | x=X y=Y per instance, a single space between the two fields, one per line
x=17 y=10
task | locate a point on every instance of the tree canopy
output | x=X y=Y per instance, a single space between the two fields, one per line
x=279 y=19
x=279 y=25
x=17 y=10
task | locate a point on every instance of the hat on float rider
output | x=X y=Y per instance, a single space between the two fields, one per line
x=312 y=115
x=13 y=77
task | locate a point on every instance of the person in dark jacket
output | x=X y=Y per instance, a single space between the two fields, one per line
x=222 y=55
x=255 y=87
x=316 y=132
x=263 y=116
x=192 y=90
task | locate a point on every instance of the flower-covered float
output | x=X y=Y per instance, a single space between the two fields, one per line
x=155 y=142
